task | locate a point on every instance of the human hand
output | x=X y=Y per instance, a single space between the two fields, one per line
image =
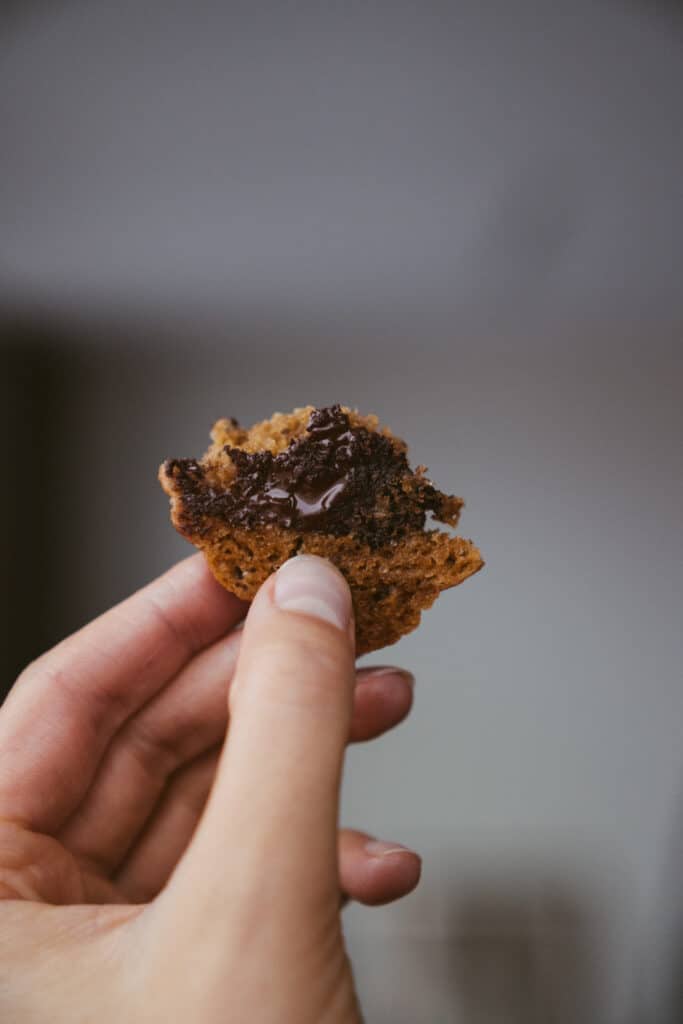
x=126 y=896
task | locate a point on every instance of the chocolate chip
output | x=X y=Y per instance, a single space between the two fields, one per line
x=334 y=479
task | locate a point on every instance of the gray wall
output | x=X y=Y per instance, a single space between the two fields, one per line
x=470 y=223
x=493 y=159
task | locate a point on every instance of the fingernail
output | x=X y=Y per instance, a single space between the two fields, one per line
x=312 y=586
x=379 y=671
x=378 y=848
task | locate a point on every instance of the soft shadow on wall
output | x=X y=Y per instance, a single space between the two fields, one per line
x=524 y=956
x=483 y=945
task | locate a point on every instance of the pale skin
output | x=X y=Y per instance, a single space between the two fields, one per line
x=169 y=793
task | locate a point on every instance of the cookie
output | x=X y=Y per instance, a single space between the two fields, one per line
x=325 y=482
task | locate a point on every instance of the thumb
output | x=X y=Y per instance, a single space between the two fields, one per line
x=270 y=826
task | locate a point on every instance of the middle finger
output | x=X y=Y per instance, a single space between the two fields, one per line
x=183 y=722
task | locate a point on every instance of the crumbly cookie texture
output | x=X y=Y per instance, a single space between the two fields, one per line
x=326 y=482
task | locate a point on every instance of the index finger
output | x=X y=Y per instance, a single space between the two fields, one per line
x=66 y=706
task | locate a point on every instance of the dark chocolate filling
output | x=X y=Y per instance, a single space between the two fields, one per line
x=335 y=479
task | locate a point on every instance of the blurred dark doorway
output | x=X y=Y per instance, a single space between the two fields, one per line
x=35 y=382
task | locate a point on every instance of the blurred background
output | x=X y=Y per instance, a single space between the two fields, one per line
x=468 y=218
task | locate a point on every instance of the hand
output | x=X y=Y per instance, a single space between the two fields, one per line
x=126 y=894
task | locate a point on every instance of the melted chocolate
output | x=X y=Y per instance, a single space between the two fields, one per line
x=335 y=479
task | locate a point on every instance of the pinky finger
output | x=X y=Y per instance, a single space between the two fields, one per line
x=373 y=871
